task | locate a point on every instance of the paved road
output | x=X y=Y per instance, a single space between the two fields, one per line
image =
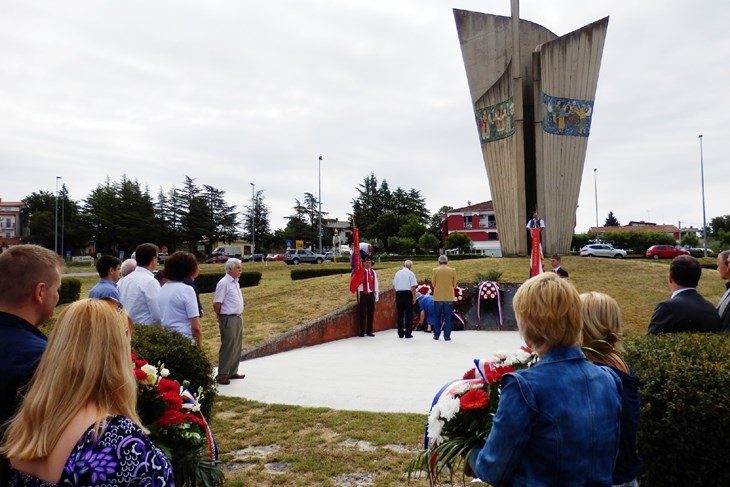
x=383 y=373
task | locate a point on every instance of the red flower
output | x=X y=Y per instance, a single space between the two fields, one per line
x=470 y=374
x=168 y=385
x=172 y=418
x=474 y=399
x=140 y=375
x=173 y=400
x=495 y=373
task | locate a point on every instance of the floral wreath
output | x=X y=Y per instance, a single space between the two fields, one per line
x=490 y=290
x=459 y=296
x=425 y=288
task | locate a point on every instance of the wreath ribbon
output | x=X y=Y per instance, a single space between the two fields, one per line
x=484 y=287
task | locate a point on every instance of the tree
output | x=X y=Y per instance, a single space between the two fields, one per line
x=428 y=242
x=436 y=219
x=38 y=213
x=611 y=221
x=256 y=218
x=690 y=239
x=224 y=217
x=460 y=241
x=412 y=228
x=719 y=223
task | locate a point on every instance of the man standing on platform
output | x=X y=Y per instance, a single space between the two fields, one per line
x=29 y=280
x=369 y=294
x=443 y=280
x=228 y=306
x=404 y=283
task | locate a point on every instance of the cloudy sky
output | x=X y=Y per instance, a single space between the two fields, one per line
x=238 y=92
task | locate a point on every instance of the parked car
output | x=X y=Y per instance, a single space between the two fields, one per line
x=328 y=255
x=217 y=259
x=602 y=250
x=295 y=257
x=275 y=257
x=162 y=257
x=256 y=258
x=664 y=252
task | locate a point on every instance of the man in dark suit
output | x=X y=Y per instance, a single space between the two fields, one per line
x=555 y=262
x=723 y=307
x=686 y=310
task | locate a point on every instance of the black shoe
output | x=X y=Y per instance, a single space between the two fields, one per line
x=408 y=336
x=361 y=335
x=400 y=336
x=370 y=335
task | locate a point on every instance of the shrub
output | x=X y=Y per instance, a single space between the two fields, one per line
x=206 y=282
x=69 y=291
x=185 y=361
x=685 y=408
x=298 y=274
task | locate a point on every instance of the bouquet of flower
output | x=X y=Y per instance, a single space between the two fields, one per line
x=461 y=415
x=177 y=427
x=425 y=288
x=459 y=296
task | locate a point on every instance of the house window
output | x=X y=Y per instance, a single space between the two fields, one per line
x=467 y=222
x=493 y=236
x=8 y=223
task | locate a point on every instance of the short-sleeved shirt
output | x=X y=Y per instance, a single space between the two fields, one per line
x=178 y=304
x=105 y=289
x=140 y=293
x=122 y=455
x=228 y=294
x=404 y=280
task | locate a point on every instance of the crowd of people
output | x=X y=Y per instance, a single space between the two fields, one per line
x=588 y=437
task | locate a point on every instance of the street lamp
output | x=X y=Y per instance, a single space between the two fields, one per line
x=55 y=227
x=319 y=174
x=253 y=217
x=704 y=221
x=595 y=188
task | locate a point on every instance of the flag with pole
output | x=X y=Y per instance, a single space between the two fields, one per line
x=535 y=227
x=358 y=272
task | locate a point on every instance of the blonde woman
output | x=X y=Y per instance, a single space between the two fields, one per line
x=602 y=344
x=557 y=422
x=78 y=423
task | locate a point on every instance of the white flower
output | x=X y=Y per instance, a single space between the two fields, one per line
x=449 y=406
x=151 y=372
x=164 y=372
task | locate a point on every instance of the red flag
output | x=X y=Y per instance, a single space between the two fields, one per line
x=536 y=259
x=358 y=273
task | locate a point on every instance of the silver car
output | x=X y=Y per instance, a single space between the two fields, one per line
x=602 y=250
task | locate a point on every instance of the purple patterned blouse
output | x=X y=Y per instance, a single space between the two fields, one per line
x=123 y=455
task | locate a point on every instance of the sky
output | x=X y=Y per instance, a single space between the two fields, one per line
x=235 y=93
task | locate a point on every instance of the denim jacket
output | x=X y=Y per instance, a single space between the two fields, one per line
x=557 y=424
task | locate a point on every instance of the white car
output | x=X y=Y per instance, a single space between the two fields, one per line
x=602 y=250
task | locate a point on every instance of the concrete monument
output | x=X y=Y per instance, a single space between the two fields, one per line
x=533 y=108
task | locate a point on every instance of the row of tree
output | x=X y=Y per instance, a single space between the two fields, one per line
x=118 y=215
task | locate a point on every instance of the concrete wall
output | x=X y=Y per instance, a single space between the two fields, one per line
x=337 y=325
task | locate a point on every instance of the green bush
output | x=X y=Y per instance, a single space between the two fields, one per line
x=69 y=291
x=685 y=408
x=206 y=282
x=298 y=274
x=156 y=344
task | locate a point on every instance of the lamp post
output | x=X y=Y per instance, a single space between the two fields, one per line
x=253 y=217
x=319 y=176
x=595 y=188
x=704 y=221
x=55 y=227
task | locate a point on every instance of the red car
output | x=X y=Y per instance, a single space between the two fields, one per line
x=217 y=259
x=279 y=257
x=664 y=252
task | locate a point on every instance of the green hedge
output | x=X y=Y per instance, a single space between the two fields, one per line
x=297 y=274
x=206 y=282
x=684 y=436
x=69 y=291
x=156 y=344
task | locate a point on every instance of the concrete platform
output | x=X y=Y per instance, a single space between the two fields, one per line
x=381 y=374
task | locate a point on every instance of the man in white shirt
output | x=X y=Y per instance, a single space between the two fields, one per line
x=228 y=307
x=140 y=290
x=404 y=283
x=369 y=294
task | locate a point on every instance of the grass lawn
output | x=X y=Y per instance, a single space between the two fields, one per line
x=267 y=445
